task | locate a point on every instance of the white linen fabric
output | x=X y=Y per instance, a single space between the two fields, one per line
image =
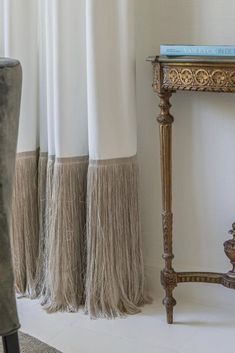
x=65 y=47
x=78 y=100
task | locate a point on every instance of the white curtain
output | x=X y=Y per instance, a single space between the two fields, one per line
x=75 y=229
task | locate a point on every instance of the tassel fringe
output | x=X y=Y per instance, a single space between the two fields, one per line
x=115 y=276
x=24 y=232
x=65 y=263
x=42 y=202
x=74 y=243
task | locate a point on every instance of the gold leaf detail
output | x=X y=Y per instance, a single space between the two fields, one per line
x=232 y=77
x=173 y=75
x=186 y=76
x=202 y=77
x=219 y=77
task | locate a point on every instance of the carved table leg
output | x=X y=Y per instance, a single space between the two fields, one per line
x=169 y=278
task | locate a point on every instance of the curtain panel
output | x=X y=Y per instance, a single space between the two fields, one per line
x=75 y=227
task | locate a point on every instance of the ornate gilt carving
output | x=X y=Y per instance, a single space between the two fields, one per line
x=167 y=221
x=169 y=279
x=173 y=75
x=229 y=248
x=186 y=76
x=232 y=77
x=203 y=277
x=157 y=82
x=169 y=282
x=206 y=277
x=202 y=77
x=165 y=117
x=198 y=78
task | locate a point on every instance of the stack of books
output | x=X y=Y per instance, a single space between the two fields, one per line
x=212 y=51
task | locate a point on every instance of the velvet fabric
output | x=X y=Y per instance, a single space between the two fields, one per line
x=10 y=94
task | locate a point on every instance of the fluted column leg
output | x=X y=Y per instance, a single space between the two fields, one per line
x=165 y=120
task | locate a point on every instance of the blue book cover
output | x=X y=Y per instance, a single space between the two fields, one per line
x=197 y=50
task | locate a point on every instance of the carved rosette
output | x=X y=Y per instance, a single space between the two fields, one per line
x=198 y=78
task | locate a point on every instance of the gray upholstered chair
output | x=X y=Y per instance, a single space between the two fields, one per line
x=10 y=94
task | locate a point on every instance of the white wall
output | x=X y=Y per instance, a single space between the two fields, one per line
x=203 y=148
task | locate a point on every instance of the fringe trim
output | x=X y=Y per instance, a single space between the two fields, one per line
x=115 y=272
x=42 y=203
x=48 y=212
x=24 y=229
x=55 y=256
x=65 y=243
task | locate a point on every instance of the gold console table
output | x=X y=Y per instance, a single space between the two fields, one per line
x=186 y=74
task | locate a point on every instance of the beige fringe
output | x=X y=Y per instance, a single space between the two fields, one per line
x=48 y=211
x=115 y=276
x=49 y=234
x=25 y=223
x=42 y=202
x=65 y=256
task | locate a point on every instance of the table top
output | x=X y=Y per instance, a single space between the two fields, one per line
x=192 y=59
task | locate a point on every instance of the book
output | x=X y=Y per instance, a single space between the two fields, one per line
x=197 y=50
x=191 y=58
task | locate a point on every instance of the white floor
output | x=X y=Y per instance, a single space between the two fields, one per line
x=197 y=329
